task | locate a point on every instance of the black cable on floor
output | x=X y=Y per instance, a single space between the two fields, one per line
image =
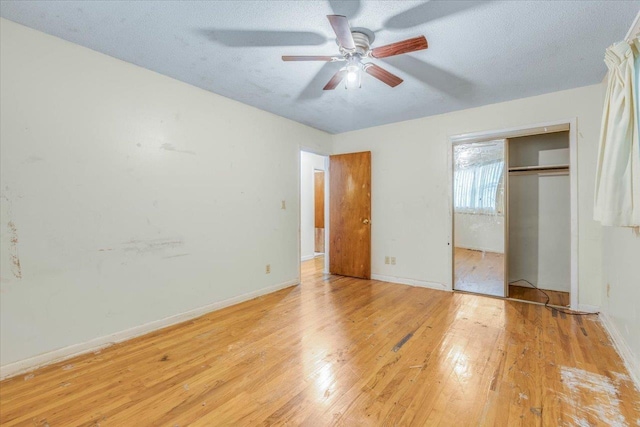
x=546 y=304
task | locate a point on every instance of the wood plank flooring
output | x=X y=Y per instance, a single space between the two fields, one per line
x=483 y=273
x=527 y=293
x=478 y=271
x=343 y=351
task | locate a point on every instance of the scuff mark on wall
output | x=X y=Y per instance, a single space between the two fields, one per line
x=176 y=256
x=169 y=147
x=16 y=269
x=11 y=235
x=145 y=246
x=151 y=245
x=33 y=159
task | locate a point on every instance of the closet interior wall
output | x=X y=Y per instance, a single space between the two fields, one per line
x=539 y=212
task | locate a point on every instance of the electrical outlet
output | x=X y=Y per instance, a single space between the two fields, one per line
x=393 y=260
x=284 y=204
x=386 y=260
x=267 y=269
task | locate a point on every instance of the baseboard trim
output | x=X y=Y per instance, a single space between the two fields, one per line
x=307 y=257
x=630 y=361
x=410 y=282
x=96 y=344
x=588 y=308
x=471 y=248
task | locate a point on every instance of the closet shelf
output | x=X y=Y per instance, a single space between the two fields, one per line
x=539 y=168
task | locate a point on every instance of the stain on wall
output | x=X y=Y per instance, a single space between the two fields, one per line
x=16 y=269
x=10 y=235
x=169 y=147
x=147 y=246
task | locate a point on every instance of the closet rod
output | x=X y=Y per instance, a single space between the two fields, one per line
x=538 y=168
x=546 y=172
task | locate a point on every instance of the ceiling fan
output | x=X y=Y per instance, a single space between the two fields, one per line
x=355 y=46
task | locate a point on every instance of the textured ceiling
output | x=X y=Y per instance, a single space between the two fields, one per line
x=480 y=52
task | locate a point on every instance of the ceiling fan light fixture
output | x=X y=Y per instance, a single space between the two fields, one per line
x=354 y=74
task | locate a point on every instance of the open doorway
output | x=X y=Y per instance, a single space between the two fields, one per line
x=341 y=217
x=313 y=229
x=318 y=208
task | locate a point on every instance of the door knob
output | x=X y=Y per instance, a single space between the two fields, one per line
x=365 y=221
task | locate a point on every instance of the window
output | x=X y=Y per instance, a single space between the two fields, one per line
x=478 y=175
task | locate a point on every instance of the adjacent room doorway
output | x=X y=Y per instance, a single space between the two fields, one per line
x=313 y=175
x=335 y=212
x=318 y=209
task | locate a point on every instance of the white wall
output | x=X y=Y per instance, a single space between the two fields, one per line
x=309 y=162
x=621 y=289
x=540 y=213
x=554 y=233
x=129 y=197
x=411 y=193
x=540 y=231
x=479 y=232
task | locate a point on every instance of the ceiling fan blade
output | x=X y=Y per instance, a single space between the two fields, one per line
x=309 y=58
x=383 y=75
x=313 y=90
x=429 y=11
x=341 y=27
x=347 y=8
x=335 y=80
x=405 y=46
x=248 y=38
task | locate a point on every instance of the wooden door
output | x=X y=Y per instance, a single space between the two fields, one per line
x=350 y=214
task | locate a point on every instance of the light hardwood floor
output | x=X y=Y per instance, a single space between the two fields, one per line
x=483 y=273
x=527 y=293
x=479 y=272
x=342 y=351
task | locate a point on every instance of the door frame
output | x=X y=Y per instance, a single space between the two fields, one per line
x=514 y=132
x=327 y=177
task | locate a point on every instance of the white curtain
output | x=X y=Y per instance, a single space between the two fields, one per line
x=617 y=193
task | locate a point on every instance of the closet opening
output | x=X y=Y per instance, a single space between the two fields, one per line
x=514 y=214
x=539 y=219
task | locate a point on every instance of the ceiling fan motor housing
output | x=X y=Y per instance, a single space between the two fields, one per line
x=362 y=42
